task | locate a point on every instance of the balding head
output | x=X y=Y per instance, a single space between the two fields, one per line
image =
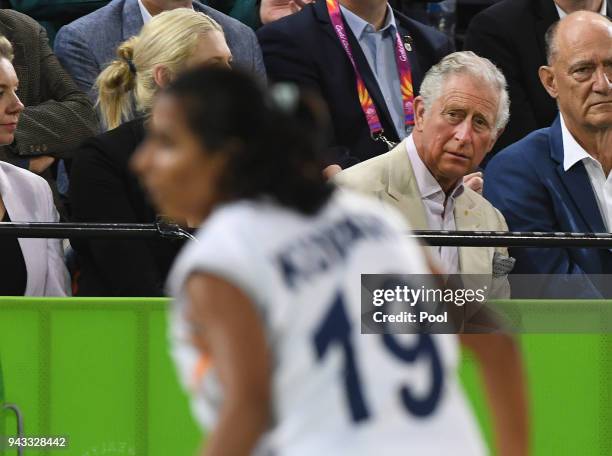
x=579 y=72
x=570 y=27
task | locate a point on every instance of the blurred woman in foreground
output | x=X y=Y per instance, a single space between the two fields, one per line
x=102 y=188
x=31 y=267
x=266 y=323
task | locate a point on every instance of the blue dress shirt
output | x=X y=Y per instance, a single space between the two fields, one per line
x=379 y=50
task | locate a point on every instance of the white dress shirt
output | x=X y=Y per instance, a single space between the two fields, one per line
x=602 y=184
x=439 y=210
x=146 y=16
x=603 y=10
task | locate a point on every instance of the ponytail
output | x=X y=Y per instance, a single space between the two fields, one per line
x=167 y=40
x=115 y=84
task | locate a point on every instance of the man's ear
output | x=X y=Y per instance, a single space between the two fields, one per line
x=495 y=138
x=161 y=75
x=547 y=78
x=419 y=113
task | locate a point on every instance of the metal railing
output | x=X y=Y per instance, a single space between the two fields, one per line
x=162 y=229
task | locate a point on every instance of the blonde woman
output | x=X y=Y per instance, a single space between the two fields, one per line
x=169 y=44
x=30 y=267
x=102 y=187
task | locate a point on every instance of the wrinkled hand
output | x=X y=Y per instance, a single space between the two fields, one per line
x=331 y=171
x=271 y=10
x=474 y=181
x=40 y=164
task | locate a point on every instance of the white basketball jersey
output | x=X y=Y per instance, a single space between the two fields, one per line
x=335 y=391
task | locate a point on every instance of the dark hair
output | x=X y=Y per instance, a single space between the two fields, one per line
x=275 y=139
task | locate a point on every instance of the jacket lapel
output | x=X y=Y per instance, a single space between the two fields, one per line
x=578 y=185
x=21 y=206
x=197 y=6
x=364 y=69
x=469 y=218
x=576 y=182
x=404 y=194
x=132 y=20
x=416 y=68
x=402 y=189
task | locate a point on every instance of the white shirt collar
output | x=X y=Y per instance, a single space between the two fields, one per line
x=603 y=11
x=428 y=185
x=572 y=151
x=144 y=12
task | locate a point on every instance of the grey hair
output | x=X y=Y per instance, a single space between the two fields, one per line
x=551 y=43
x=466 y=62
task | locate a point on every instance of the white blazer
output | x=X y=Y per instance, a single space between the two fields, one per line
x=27 y=198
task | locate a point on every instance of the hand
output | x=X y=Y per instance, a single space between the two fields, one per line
x=40 y=164
x=331 y=171
x=271 y=10
x=474 y=181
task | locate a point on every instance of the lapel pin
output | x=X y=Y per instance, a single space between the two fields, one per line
x=408 y=43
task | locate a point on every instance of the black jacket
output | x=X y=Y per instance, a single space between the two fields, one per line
x=103 y=189
x=304 y=48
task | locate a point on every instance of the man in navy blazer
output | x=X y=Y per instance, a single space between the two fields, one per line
x=85 y=46
x=558 y=178
x=510 y=33
x=305 y=49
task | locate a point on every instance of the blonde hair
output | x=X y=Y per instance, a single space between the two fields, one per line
x=6 y=49
x=169 y=39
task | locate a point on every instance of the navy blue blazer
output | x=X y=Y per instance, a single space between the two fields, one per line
x=510 y=33
x=527 y=183
x=305 y=49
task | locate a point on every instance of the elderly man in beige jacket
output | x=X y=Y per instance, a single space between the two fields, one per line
x=462 y=109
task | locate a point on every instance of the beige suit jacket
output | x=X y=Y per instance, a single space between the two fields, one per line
x=390 y=178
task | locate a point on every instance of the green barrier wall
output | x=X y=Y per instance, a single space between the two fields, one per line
x=98 y=372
